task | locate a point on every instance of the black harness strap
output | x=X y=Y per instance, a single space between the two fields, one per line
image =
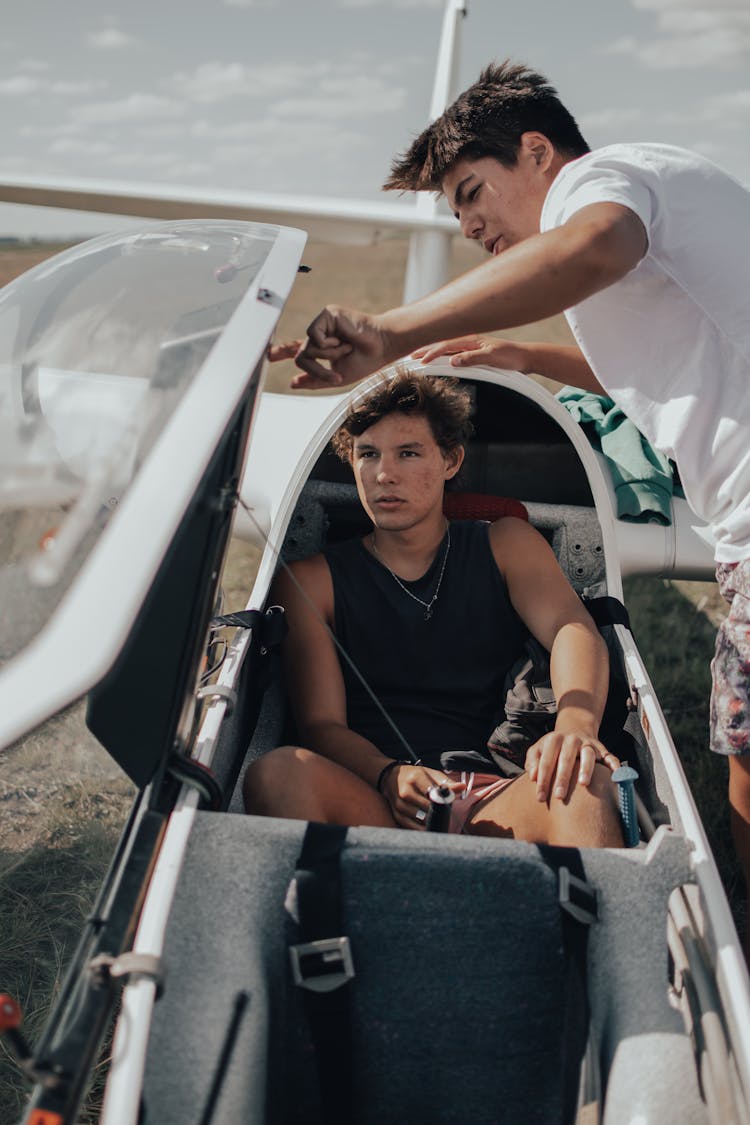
x=270 y=625
x=322 y=967
x=578 y=909
x=607 y=610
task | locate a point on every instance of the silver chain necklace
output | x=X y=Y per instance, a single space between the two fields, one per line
x=427 y=605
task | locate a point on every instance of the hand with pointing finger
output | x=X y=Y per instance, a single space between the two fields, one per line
x=287 y=350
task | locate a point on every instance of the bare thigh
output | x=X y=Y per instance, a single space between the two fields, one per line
x=588 y=817
x=297 y=783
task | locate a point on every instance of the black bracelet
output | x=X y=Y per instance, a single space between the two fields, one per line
x=387 y=769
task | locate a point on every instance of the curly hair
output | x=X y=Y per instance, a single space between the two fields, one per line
x=446 y=406
x=488 y=119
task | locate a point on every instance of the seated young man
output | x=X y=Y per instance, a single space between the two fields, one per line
x=432 y=615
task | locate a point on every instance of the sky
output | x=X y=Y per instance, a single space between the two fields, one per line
x=316 y=96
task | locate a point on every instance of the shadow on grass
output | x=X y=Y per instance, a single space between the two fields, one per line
x=46 y=893
x=676 y=642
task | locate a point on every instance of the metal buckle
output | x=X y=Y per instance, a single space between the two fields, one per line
x=577 y=897
x=322 y=966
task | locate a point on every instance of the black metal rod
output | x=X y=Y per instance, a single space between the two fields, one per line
x=241 y=1001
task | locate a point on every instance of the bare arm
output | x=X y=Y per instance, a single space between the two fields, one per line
x=313 y=674
x=539 y=277
x=564 y=362
x=548 y=605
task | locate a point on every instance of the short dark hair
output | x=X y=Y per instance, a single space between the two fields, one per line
x=488 y=119
x=442 y=401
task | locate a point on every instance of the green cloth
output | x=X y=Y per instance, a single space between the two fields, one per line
x=643 y=478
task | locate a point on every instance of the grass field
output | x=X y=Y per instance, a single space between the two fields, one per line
x=46 y=892
x=63 y=801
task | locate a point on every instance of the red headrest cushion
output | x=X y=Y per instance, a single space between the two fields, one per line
x=478 y=506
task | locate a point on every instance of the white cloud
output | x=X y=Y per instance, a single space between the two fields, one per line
x=609 y=119
x=164 y=130
x=728 y=103
x=71 y=146
x=48 y=130
x=216 y=81
x=25 y=85
x=701 y=20
x=19 y=85
x=345 y=96
x=110 y=39
x=274 y=145
x=343 y=3
x=12 y=164
x=391 y=3
x=625 y=45
x=729 y=6
x=334 y=89
x=204 y=129
x=722 y=111
x=34 y=64
x=183 y=171
x=681 y=52
x=135 y=107
x=154 y=161
x=690 y=34
x=73 y=89
x=728 y=112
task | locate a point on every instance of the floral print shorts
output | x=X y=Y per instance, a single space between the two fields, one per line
x=730 y=667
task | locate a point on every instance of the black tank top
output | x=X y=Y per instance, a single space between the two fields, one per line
x=439 y=680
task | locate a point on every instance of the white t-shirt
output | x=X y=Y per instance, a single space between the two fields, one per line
x=670 y=342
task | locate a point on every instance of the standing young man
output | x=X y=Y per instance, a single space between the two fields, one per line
x=433 y=615
x=647 y=250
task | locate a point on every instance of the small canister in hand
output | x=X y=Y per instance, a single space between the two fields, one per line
x=439 y=815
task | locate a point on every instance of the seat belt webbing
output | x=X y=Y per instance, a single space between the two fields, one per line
x=322 y=967
x=577 y=912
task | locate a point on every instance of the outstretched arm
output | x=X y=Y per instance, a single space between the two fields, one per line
x=537 y=278
x=547 y=604
x=564 y=362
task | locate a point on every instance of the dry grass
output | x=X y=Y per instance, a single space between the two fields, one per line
x=674 y=624
x=46 y=893
x=19 y=259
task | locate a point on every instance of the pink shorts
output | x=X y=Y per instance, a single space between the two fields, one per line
x=478 y=788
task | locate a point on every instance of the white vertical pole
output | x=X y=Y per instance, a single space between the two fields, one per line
x=429 y=251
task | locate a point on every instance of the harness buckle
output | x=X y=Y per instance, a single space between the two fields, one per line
x=322 y=966
x=577 y=897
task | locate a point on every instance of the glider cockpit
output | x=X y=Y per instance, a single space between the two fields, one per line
x=127 y=627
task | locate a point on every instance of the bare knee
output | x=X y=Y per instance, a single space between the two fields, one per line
x=587 y=818
x=590 y=817
x=299 y=784
x=269 y=777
